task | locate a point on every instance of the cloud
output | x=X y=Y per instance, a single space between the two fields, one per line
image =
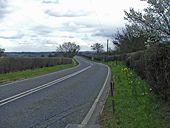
x=42 y=30
x=35 y=45
x=68 y=13
x=50 y=1
x=70 y=27
x=104 y=31
x=3 y=3
x=3 y=8
x=11 y=35
x=78 y=27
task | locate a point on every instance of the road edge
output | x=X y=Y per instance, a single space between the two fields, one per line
x=93 y=107
x=91 y=120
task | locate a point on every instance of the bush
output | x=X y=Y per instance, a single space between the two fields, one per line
x=136 y=61
x=18 y=64
x=153 y=65
x=157 y=67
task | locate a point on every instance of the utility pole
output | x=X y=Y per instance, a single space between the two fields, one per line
x=107 y=46
x=107 y=50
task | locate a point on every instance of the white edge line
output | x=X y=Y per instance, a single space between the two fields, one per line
x=26 y=79
x=91 y=111
x=20 y=95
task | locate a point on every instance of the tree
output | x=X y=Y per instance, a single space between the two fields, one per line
x=129 y=40
x=155 y=21
x=2 y=51
x=68 y=49
x=97 y=47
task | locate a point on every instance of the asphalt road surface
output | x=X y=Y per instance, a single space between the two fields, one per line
x=52 y=100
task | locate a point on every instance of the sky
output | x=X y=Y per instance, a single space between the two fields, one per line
x=42 y=25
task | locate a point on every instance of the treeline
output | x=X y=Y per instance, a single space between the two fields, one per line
x=19 y=64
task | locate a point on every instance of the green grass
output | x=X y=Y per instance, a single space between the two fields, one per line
x=135 y=104
x=12 y=76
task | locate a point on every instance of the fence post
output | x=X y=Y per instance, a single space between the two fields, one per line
x=113 y=104
x=111 y=87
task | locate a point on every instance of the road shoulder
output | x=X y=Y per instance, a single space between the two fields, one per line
x=92 y=118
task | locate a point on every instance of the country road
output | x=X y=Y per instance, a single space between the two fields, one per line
x=52 y=100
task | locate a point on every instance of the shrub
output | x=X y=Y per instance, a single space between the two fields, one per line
x=157 y=67
x=153 y=65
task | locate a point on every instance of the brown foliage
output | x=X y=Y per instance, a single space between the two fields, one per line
x=18 y=64
x=157 y=67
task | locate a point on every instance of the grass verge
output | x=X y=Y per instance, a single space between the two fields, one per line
x=12 y=76
x=135 y=104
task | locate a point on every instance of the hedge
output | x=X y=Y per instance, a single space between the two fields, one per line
x=152 y=65
x=18 y=64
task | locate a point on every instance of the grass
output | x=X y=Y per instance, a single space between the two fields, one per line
x=135 y=104
x=12 y=76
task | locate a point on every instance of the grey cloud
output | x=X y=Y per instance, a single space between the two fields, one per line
x=50 y=1
x=34 y=45
x=50 y=42
x=104 y=32
x=77 y=27
x=71 y=37
x=17 y=36
x=43 y=30
x=3 y=3
x=3 y=8
x=87 y=27
x=70 y=27
x=68 y=13
x=86 y=37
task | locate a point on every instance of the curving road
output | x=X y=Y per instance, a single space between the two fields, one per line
x=52 y=100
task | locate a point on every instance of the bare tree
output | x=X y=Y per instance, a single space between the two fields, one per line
x=97 y=47
x=68 y=48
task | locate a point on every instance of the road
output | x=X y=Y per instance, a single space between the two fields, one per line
x=52 y=100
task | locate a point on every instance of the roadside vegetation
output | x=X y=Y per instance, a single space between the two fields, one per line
x=11 y=76
x=14 y=64
x=136 y=106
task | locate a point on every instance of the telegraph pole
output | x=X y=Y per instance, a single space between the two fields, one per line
x=107 y=46
x=107 y=50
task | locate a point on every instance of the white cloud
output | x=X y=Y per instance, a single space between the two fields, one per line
x=67 y=13
x=50 y=1
x=41 y=25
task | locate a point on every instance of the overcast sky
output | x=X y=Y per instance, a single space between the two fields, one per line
x=41 y=25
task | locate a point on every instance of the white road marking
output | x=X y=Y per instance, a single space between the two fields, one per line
x=20 y=95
